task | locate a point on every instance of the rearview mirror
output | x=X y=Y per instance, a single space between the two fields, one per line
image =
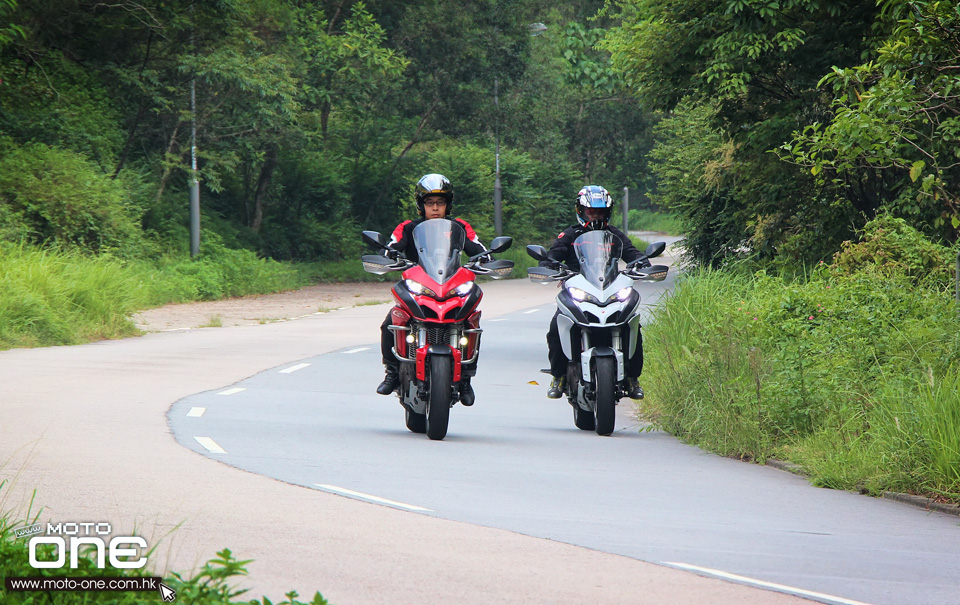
x=537 y=252
x=499 y=244
x=374 y=239
x=654 y=249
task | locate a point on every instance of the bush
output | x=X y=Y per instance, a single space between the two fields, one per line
x=893 y=248
x=57 y=197
x=50 y=297
x=849 y=374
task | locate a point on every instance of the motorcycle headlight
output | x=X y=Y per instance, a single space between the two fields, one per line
x=418 y=288
x=464 y=289
x=622 y=295
x=581 y=295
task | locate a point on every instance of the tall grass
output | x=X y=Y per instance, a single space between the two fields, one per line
x=49 y=297
x=648 y=220
x=55 y=297
x=852 y=375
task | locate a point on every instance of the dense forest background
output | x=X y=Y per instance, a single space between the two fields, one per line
x=771 y=128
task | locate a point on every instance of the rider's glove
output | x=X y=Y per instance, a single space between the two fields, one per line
x=486 y=258
x=391 y=253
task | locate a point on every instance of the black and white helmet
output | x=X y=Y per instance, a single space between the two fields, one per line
x=434 y=184
x=594 y=196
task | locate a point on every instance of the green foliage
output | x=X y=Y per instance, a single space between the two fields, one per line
x=698 y=183
x=50 y=297
x=57 y=197
x=648 y=220
x=744 y=74
x=847 y=371
x=894 y=126
x=891 y=247
x=219 y=272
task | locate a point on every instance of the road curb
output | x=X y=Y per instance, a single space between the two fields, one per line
x=923 y=502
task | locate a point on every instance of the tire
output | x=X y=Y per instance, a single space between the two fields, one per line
x=605 y=385
x=583 y=419
x=438 y=405
x=417 y=423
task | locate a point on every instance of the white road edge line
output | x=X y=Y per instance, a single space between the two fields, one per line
x=232 y=391
x=352 y=351
x=299 y=366
x=352 y=494
x=196 y=412
x=819 y=596
x=210 y=445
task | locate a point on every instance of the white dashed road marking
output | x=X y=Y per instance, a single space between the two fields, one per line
x=818 y=596
x=299 y=366
x=210 y=445
x=196 y=412
x=232 y=391
x=352 y=351
x=375 y=499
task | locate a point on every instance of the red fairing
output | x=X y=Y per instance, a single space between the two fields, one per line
x=443 y=308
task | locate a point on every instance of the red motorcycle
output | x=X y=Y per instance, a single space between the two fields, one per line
x=436 y=324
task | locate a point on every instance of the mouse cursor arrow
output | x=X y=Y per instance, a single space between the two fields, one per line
x=167 y=594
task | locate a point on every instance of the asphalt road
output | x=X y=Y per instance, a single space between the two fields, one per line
x=515 y=461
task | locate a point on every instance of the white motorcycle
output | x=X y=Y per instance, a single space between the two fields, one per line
x=599 y=322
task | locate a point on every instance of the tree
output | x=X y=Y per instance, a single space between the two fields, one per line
x=894 y=136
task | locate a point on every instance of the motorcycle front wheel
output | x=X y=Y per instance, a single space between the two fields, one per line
x=438 y=405
x=605 y=382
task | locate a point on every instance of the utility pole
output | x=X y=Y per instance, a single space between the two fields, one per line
x=194 y=181
x=497 y=193
x=626 y=208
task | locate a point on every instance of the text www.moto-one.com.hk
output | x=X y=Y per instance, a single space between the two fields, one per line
x=25 y=584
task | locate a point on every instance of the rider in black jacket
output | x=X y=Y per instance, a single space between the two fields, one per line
x=593 y=212
x=434 y=196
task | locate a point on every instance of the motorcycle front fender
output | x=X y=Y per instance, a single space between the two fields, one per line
x=587 y=358
x=424 y=352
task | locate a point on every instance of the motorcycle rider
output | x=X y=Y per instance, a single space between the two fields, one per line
x=434 y=197
x=594 y=206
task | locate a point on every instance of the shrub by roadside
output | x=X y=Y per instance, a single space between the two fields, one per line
x=851 y=372
x=56 y=296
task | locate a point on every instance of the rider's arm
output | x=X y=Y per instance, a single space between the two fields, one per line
x=560 y=251
x=628 y=252
x=399 y=239
x=472 y=246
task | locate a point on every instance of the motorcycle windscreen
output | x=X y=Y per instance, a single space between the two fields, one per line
x=598 y=253
x=439 y=243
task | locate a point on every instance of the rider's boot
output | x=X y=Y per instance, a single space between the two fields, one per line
x=467 y=395
x=390 y=382
x=556 y=387
x=634 y=391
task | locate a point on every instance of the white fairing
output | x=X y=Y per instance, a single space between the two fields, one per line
x=604 y=315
